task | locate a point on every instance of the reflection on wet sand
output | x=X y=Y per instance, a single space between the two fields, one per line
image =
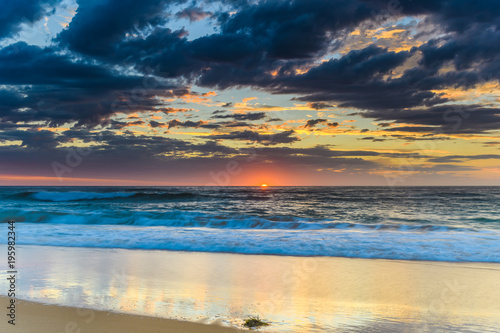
x=294 y=293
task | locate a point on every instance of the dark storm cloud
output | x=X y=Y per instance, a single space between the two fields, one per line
x=263 y=37
x=189 y=123
x=243 y=116
x=23 y=64
x=44 y=85
x=98 y=26
x=155 y=124
x=265 y=139
x=319 y=105
x=177 y=56
x=15 y=13
x=453 y=15
x=82 y=76
x=33 y=138
x=474 y=54
x=356 y=80
x=473 y=45
x=457 y=15
x=448 y=119
x=85 y=107
x=297 y=29
x=259 y=37
x=47 y=86
x=313 y=122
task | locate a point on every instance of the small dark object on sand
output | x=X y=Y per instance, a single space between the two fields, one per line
x=254 y=322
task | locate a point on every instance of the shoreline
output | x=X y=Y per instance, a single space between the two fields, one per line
x=35 y=317
x=278 y=255
x=463 y=264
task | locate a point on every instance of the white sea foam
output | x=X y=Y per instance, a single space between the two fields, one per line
x=438 y=245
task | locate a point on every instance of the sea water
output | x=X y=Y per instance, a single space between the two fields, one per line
x=410 y=223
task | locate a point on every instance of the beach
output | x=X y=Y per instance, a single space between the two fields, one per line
x=303 y=259
x=38 y=317
x=157 y=290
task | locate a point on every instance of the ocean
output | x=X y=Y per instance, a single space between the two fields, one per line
x=457 y=224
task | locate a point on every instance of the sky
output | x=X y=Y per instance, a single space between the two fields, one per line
x=246 y=92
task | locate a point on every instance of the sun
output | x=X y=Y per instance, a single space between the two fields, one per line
x=263 y=186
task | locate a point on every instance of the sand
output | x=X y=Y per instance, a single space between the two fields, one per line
x=40 y=318
x=295 y=294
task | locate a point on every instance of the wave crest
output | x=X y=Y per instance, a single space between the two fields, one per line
x=55 y=196
x=78 y=196
x=191 y=219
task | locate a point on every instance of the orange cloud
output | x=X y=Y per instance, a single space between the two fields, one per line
x=248 y=99
x=210 y=93
x=196 y=99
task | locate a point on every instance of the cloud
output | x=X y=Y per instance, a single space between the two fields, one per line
x=99 y=26
x=117 y=156
x=448 y=119
x=33 y=138
x=281 y=36
x=15 y=13
x=313 y=122
x=103 y=64
x=297 y=29
x=23 y=64
x=189 y=123
x=243 y=116
x=155 y=124
x=356 y=80
x=319 y=105
x=44 y=85
x=193 y=14
x=265 y=139
x=459 y=158
x=373 y=139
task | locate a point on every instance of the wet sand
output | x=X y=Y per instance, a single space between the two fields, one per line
x=296 y=294
x=41 y=318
